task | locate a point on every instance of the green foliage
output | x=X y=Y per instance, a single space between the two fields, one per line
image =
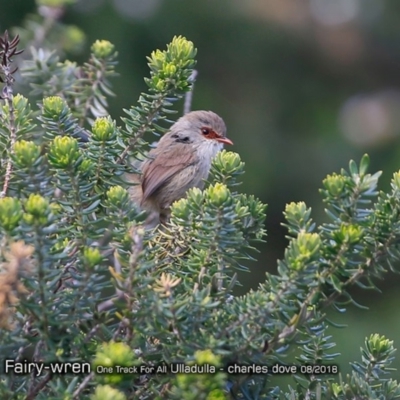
x=44 y=30
x=83 y=280
x=201 y=385
x=114 y=355
x=105 y=392
x=170 y=72
x=369 y=377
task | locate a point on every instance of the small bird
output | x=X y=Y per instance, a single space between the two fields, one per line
x=181 y=160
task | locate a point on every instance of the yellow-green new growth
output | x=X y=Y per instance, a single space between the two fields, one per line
x=37 y=209
x=378 y=346
x=74 y=38
x=92 y=256
x=117 y=196
x=228 y=163
x=348 y=233
x=297 y=212
x=181 y=208
x=334 y=184
x=102 y=48
x=218 y=194
x=202 y=386
x=303 y=249
x=172 y=67
x=26 y=153
x=106 y=392
x=103 y=129
x=64 y=152
x=54 y=106
x=396 y=180
x=10 y=213
x=308 y=244
x=207 y=357
x=111 y=355
x=55 y=3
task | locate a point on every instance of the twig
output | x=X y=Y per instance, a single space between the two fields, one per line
x=91 y=333
x=187 y=106
x=107 y=304
x=8 y=49
x=143 y=127
x=83 y=385
x=35 y=390
x=121 y=294
x=50 y=15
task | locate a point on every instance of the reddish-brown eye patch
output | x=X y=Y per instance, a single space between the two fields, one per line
x=209 y=133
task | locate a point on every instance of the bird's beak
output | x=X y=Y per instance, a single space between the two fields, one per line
x=224 y=140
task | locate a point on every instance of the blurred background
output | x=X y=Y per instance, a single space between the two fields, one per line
x=303 y=85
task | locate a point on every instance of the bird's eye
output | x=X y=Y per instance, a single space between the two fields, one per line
x=205 y=131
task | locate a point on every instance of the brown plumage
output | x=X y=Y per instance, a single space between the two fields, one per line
x=181 y=160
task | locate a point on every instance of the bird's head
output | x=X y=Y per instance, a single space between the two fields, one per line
x=202 y=128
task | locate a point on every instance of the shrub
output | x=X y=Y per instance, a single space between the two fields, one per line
x=94 y=305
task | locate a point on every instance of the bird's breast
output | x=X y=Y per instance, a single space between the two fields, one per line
x=205 y=154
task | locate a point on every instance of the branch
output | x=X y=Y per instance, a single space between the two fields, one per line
x=156 y=107
x=83 y=385
x=8 y=49
x=36 y=389
x=189 y=95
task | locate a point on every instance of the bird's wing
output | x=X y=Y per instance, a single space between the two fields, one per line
x=163 y=167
